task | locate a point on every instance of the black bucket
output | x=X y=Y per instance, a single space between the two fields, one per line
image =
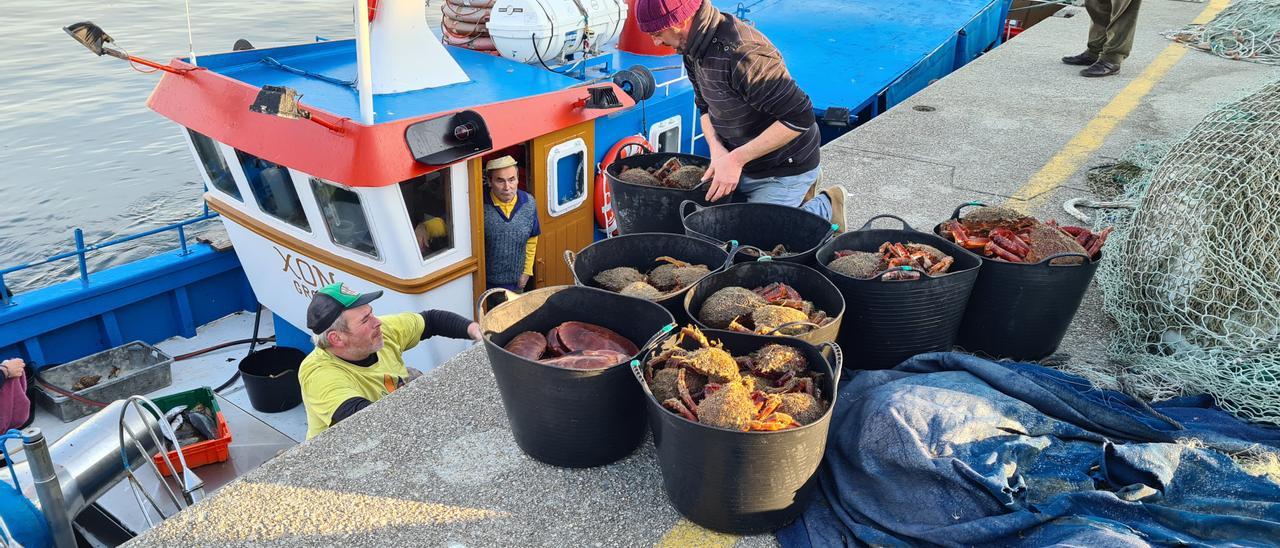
x=271 y=378
x=809 y=283
x=639 y=251
x=1022 y=311
x=565 y=417
x=643 y=208
x=890 y=321
x=763 y=226
x=743 y=482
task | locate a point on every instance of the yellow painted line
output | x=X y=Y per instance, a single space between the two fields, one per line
x=686 y=534
x=1068 y=160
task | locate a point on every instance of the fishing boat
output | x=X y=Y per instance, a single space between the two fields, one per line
x=361 y=161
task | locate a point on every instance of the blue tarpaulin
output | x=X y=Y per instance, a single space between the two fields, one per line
x=949 y=449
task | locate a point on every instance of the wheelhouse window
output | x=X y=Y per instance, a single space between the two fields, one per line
x=215 y=166
x=273 y=189
x=665 y=135
x=430 y=205
x=567 y=177
x=344 y=216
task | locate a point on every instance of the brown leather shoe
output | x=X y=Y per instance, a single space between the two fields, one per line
x=1099 y=69
x=837 y=194
x=1083 y=60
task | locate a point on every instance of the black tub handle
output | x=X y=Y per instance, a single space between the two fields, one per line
x=742 y=248
x=638 y=371
x=791 y=324
x=731 y=246
x=905 y=226
x=903 y=268
x=1046 y=260
x=481 y=309
x=569 y=258
x=657 y=338
x=956 y=214
x=831 y=234
x=685 y=204
x=838 y=367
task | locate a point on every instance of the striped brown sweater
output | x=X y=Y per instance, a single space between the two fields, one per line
x=741 y=82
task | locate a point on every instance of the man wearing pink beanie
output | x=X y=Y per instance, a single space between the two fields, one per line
x=758 y=123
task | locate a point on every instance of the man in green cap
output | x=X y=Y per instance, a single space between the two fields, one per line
x=359 y=357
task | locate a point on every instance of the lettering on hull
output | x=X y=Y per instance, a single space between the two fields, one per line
x=308 y=277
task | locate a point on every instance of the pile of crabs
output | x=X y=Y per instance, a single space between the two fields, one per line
x=889 y=260
x=776 y=308
x=1006 y=235
x=770 y=389
x=670 y=276
x=574 y=345
x=671 y=174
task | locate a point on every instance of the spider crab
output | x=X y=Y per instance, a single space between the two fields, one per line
x=891 y=256
x=783 y=311
x=699 y=380
x=574 y=345
x=1008 y=235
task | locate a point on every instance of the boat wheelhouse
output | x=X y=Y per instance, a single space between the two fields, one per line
x=389 y=194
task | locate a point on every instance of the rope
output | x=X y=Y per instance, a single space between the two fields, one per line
x=277 y=64
x=4 y=450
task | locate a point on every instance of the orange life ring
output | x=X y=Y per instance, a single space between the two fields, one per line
x=627 y=146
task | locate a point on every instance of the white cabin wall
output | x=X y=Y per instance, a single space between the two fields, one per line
x=284 y=279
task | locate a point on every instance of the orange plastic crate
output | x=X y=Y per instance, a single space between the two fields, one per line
x=205 y=452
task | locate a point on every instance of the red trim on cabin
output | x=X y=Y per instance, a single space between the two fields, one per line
x=218 y=107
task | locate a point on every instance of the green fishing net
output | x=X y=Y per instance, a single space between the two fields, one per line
x=1248 y=30
x=1191 y=276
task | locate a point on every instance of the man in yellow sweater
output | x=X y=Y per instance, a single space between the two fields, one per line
x=511 y=227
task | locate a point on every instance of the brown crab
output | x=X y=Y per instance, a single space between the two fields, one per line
x=775 y=360
x=735 y=406
x=705 y=358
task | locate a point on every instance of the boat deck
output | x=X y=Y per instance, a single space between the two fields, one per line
x=435 y=462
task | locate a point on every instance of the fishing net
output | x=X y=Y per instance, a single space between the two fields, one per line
x=1248 y=30
x=1192 y=275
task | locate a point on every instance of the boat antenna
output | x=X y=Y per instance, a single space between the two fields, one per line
x=190 y=42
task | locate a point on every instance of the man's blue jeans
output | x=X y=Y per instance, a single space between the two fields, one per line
x=787 y=191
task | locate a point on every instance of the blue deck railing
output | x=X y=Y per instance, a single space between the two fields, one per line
x=81 y=250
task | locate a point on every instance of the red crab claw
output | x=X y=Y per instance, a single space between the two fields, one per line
x=683 y=388
x=1096 y=245
x=679 y=408
x=1006 y=239
x=994 y=250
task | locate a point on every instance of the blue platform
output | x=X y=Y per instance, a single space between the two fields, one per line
x=493 y=79
x=866 y=55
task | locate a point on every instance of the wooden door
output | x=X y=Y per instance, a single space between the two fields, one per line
x=565 y=204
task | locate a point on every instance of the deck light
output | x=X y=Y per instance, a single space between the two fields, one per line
x=283 y=102
x=94 y=38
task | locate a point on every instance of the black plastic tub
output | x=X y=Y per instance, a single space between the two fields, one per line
x=643 y=208
x=564 y=417
x=809 y=283
x=1022 y=311
x=639 y=251
x=271 y=378
x=743 y=482
x=763 y=226
x=889 y=321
